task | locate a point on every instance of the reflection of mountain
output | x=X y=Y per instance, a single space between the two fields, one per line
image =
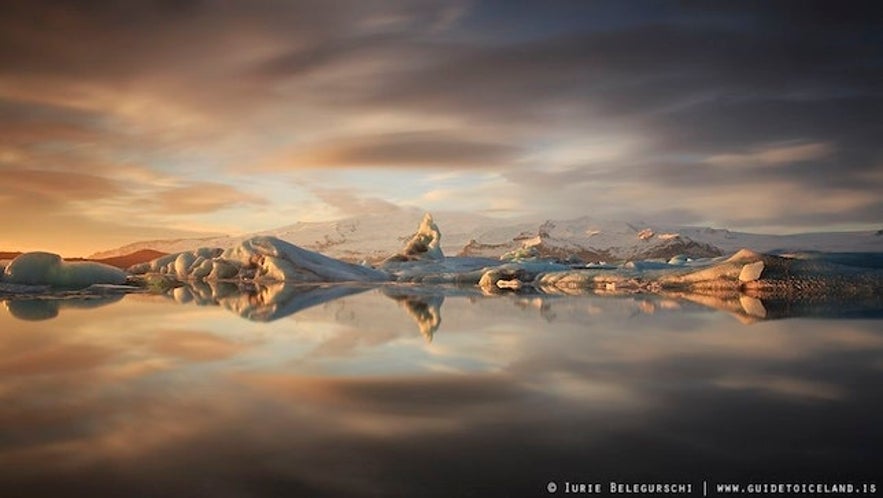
x=44 y=309
x=424 y=309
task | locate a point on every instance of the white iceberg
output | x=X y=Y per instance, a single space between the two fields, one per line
x=44 y=268
x=259 y=258
x=423 y=245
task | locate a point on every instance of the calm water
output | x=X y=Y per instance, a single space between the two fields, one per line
x=373 y=392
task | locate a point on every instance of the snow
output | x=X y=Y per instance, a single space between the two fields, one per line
x=423 y=245
x=43 y=268
x=374 y=236
x=260 y=259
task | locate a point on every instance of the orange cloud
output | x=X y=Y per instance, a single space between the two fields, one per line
x=201 y=197
x=195 y=345
x=406 y=149
x=57 y=186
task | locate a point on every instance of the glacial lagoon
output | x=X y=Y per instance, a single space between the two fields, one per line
x=409 y=391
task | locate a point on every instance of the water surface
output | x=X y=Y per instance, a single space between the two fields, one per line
x=417 y=392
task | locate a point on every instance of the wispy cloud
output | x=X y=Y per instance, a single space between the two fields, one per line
x=583 y=107
x=201 y=197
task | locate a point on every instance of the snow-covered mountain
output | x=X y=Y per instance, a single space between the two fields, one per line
x=375 y=236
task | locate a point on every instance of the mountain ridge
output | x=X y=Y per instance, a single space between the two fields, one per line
x=373 y=237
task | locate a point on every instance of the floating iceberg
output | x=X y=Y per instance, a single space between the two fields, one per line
x=423 y=245
x=43 y=268
x=260 y=259
x=753 y=273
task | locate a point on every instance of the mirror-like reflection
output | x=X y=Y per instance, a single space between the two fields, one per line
x=338 y=391
x=260 y=302
x=44 y=309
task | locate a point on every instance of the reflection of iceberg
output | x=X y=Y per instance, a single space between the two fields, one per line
x=260 y=302
x=424 y=309
x=44 y=309
x=748 y=308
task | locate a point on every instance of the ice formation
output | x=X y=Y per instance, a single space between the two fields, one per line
x=423 y=245
x=43 y=268
x=245 y=277
x=749 y=272
x=260 y=259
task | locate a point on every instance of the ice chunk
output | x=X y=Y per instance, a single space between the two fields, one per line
x=751 y=271
x=263 y=259
x=43 y=268
x=425 y=244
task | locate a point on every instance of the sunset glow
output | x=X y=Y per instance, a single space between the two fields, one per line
x=141 y=120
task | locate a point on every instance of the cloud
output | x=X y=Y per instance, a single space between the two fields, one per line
x=400 y=150
x=675 y=103
x=54 y=186
x=350 y=202
x=774 y=155
x=200 y=197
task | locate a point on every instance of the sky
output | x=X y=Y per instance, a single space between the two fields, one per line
x=131 y=120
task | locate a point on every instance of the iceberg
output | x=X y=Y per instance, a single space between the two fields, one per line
x=752 y=273
x=423 y=245
x=261 y=259
x=44 y=268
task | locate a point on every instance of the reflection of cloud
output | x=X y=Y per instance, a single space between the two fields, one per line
x=681 y=389
x=391 y=406
x=195 y=345
x=55 y=359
